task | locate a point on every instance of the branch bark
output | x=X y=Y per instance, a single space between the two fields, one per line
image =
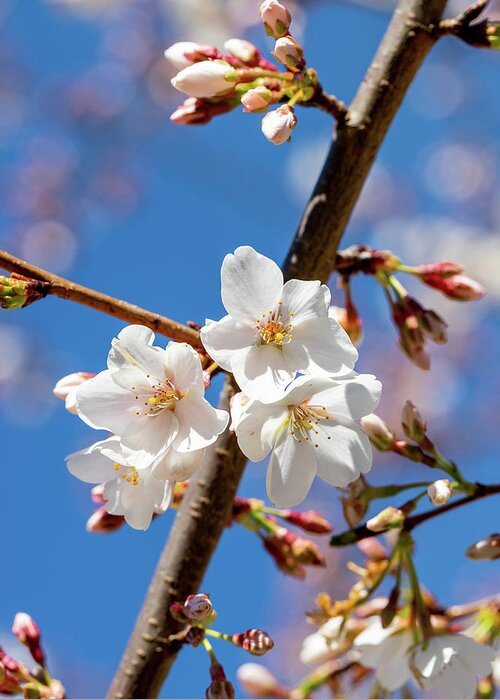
x=65 y=289
x=206 y=506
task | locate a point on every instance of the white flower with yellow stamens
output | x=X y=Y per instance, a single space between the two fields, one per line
x=151 y=398
x=311 y=430
x=274 y=330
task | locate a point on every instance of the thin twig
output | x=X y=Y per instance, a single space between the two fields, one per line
x=65 y=289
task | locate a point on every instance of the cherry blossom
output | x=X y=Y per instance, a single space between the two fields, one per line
x=311 y=431
x=277 y=125
x=274 y=330
x=385 y=650
x=323 y=644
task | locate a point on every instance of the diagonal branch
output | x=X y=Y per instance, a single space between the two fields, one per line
x=206 y=506
x=63 y=288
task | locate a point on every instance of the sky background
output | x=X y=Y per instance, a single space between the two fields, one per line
x=98 y=185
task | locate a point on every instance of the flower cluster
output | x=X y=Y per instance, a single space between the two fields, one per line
x=197 y=615
x=217 y=82
x=15 y=677
x=415 y=324
x=300 y=400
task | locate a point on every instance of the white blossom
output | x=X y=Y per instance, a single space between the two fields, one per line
x=150 y=397
x=385 y=650
x=323 y=644
x=274 y=330
x=311 y=430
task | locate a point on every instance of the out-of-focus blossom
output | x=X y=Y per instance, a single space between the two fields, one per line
x=66 y=387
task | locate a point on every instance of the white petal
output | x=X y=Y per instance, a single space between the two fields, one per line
x=347 y=454
x=320 y=345
x=394 y=673
x=477 y=657
x=301 y=389
x=199 y=424
x=315 y=649
x=352 y=398
x=251 y=284
x=164 y=496
x=151 y=434
x=222 y=338
x=133 y=348
x=304 y=300
x=257 y=431
x=430 y=661
x=261 y=372
x=91 y=465
x=178 y=466
x=104 y=405
x=454 y=682
x=291 y=471
x=183 y=368
x=136 y=503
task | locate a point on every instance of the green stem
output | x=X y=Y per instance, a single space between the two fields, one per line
x=374 y=492
x=210 y=651
x=218 y=635
x=295 y=98
x=423 y=615
x=397 y=286
x=263 y=522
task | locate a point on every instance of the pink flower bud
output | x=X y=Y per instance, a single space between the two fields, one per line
x=373 y=549
x=290 y=53
x=441 y=269
x=102 y=522
x=66 y=387
x=243 y=50
x=414 y=426
x=486 y=549
x=184 y=53
x=255 y=641
x=275 y=17
x=434 y=327
x=306 y=552
x=439 y=492
x=198 y=607
x=310 y=521
x=458 y=287
x=194 y=111
x=257 y=99
x=388 y=518
x=377 y=430
x=277 y=126
x=258 y=681
x=205 y=79
x=28 y=633
x=97 y=494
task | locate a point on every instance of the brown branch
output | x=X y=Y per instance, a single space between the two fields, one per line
x=65 y=289
x=362 y=532
x=207 y=504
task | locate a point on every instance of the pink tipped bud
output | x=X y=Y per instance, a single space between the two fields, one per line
x=387 y=519
x=66 y=387
x=198 y=607
x=257 y=99
x=458 y=287
x=486 y=549
x=414 y=426
x=97 y=494
x=379 y=433
x=28 y=633
x=373 y=549
x=184 y=53
x=306 y=552
x=275 y=18
x=243 y=50
x=255 y=641
x=277 y=126
x=259 y=682
x=290 y=53
x=205 y=79
x=440 y=269
x=101 y=522
x=196 y=112
x=439 y=492
x=309 y=521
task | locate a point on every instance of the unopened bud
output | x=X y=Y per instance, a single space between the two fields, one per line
x=379 y=433
x=195 y=636
x=31 y=690
x=177 y=611
x=66 y=387
x=97 y=494
x=373 y=549
x=18 y=291
x=277 y=125
x=486 y=549
x=309 y=521
x=414 y=426
x=458 y=287
x=257 y=99
x=350 y=320
x=434 y=327
x=275 y=17
x=387 y=519
x=283 y=558
x=197 y=111
x=220 y=689
x=290 y=53
x=28 y=633
x=441 y=269
x=243 y=50
x=101 y=522
x=255 y=641
x=439 y=492
x=306 y=552
x=198 y=606
x=205 y=79
x=57 y=690
x=184 y=53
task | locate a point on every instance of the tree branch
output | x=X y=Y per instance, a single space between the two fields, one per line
x=207 y=503
x=65 y=289
x=362 y=532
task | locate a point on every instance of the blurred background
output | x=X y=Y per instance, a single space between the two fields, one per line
x=98 y=185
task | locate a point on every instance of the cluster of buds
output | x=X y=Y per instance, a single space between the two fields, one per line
x=18 y=291
x=217 y=81
x=415 y=323
x=197 y=615
x=15 y=677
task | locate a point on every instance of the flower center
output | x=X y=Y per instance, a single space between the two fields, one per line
x=128 y=474
x=164 y=395
x=272 y=327
x=304 y=422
